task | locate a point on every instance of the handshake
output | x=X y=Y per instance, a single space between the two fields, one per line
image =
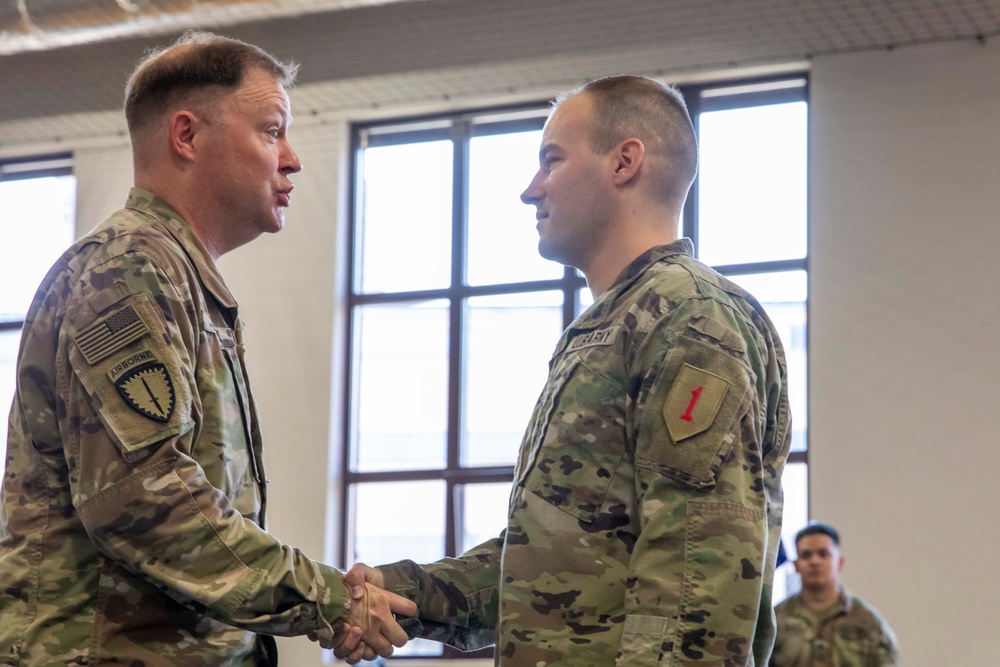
x=371 y=628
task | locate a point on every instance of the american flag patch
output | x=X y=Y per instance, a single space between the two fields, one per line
x=111 y=334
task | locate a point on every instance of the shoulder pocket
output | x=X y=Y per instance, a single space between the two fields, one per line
x=133 y=377
x=689 y=420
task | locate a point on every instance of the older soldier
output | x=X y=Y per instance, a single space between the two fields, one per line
x=644 y=518
x=825 y=625
x=132 y=523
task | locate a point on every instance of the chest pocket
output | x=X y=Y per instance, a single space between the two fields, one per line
x=575 y=441
x=224 y=444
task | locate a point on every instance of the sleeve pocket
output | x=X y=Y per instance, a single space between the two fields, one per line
x=689 y=420
x=135 y=382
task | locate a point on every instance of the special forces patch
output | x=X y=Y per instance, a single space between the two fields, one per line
x=145 y=385
x=693 y=402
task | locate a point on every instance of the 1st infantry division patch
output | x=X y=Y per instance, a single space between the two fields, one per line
x=148 y=390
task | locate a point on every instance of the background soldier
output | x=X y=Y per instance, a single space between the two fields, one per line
x=825 y=625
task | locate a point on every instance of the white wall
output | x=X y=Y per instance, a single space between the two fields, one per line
x=904 y=353
x=904 y=368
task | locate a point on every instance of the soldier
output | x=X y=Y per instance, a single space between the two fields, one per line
x=132 y=522
x=824 y=625
x=644 y=517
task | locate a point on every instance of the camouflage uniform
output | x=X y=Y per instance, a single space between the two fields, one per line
x=132 y=522
x=849 y=634
x=644 y=519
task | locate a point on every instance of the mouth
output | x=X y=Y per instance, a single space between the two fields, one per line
x=285 y=196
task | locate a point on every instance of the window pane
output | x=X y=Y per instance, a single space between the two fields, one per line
x=383 y=534
x=503 y=241
x=402 y=386
x=783 y=296
x=485 y=512
x=9 y=341
x=752 y=184
x=795 y=482
x=510 y=341
x=405 y=230
x=40 y=215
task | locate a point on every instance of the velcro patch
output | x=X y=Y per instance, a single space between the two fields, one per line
x=111 y=334
x=693 y=402
x=146 y=387
x=606 y=336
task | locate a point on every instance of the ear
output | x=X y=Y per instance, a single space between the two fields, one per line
x=798 y=565
x=182 y=127
x=628 y=160
x=840 y=564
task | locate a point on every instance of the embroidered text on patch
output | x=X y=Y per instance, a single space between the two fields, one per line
x=149 y=390
x=606 y=336
x=110 y=334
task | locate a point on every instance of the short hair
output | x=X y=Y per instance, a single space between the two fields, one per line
x=818 y=528
x=196 y=69
x=653 y=112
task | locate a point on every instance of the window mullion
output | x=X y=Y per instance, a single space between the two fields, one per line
x=456 y=357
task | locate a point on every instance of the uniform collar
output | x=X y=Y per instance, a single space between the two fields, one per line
x=596 y=314
x=149 y=204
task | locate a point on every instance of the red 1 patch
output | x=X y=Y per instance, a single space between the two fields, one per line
x=693 y=402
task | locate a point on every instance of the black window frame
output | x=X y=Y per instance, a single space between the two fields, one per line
x=460 y=127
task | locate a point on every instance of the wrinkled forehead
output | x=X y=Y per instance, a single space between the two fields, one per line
x=260 y=89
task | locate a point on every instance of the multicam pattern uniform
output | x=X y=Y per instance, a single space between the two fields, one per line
x=853 y=634
x=646 y=509
x=131 y=528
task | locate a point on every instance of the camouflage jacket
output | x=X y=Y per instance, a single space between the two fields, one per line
x=644 y=518
x=852 y=634
x=131 y=523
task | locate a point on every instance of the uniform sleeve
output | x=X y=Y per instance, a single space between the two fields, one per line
x=888 y=647
x=457 y=598
x=697 y=569
x=127 y=369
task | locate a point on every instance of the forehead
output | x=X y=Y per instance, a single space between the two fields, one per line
x=261 y=91
x=816 y=543
x=570 y=121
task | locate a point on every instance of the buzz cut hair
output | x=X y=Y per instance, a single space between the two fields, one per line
x=197 y=69
x=629 y=106
x=818 y=528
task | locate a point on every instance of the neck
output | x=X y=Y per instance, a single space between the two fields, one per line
x=630 y=236
x=178 y=198
x=818 y=599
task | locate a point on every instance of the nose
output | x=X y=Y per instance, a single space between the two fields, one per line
x=290 y=163
x=533 y=193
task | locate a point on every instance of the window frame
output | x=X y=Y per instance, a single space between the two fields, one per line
x=460 y=127
x=25 y=168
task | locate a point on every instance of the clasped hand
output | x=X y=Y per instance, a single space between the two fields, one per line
x=371 y=628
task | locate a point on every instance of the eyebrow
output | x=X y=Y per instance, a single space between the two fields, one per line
x=544 y=150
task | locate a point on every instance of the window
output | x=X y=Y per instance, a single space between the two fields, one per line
x=747 y=215
x=38 y=198
x=445 y=273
